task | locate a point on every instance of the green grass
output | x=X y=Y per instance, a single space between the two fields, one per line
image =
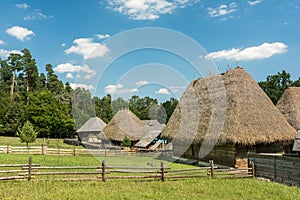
x=51 y=143
x=203 y=188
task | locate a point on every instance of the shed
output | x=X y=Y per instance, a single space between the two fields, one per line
x=223 y=117
x=90 y=130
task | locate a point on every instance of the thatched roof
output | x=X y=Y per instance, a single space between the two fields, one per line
x=94 y=124
x=125 y=123
x=296 y=146
x=289 y=106
x=228 y=108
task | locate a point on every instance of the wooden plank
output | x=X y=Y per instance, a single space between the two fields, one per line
x=12 y=177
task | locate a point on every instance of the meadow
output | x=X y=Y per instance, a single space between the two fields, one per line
x=200 y=188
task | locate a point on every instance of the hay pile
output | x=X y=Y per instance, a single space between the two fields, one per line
x=228 y=108
x=289 y=106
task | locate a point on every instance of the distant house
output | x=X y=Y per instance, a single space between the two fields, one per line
x=226 y=116
x=289 y=106
x=90 y=131
x=125 y=124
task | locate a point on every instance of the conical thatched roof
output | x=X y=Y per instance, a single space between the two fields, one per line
x=94 y=124
x=124 y=123
x=289 y=106
x=228 y=108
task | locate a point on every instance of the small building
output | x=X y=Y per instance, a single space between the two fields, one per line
x=289 y=106
x=223 y=117
x=90 y=131
x=126 y=124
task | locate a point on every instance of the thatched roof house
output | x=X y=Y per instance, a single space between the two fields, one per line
x=289 y=106
x=125 y=123
x=90 y=130
x=228 y=114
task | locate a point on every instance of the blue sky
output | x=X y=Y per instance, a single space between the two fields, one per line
x=80 y=39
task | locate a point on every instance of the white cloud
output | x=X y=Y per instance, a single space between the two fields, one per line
x=141 y=83
x=63 y=44
x=5 y=53
x=177 y=89
x=20 y=33
x=222 y=10
x=80 y=85
x=103 y=36
x=37 y=14
x=162 y=91
x=22 y=5
x=68 y=67
x=265 y=50
x=87 y=48
x=2 y=42
x=147 y=9
x=69 y=75
x=118 y=89
x=254 y=3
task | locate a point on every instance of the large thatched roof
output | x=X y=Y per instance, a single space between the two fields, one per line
x=94 y=124
x=228 y=108
x=125 y=123
x=289 y=106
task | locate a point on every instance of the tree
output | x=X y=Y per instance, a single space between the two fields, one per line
x=27 y=134
x=276 y=84
x=30 y=69
x=169 y=107
x=126 y=142
x=14 y=65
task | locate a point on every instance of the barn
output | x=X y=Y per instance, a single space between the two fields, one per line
x=289 y=106
x=223 y=117
x=126 y=124
x=90 y=130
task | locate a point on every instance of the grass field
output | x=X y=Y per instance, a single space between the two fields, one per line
x=52 y=143
x=201 y=188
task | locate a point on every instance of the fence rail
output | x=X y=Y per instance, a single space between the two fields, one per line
x=278 y=168
x=105 y=172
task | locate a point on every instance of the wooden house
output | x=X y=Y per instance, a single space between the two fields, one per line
x=90 y=131
x=223 y=117
x=125 y=124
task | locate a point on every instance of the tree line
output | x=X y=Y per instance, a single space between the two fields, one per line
x=55 y=109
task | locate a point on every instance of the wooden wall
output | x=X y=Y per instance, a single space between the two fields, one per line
x=282 y=169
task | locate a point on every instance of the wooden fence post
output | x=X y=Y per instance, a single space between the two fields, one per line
x=104 y=150
x=211 y=162
x=162 y=171
x=7 y=149
x=103 y=170
x=74 y=151
x=253 y=170
x=43 y=149
x=29 y=168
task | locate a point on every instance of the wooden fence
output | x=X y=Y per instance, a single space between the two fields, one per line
x=106 y=172
x=44 y=150
x=278 y=168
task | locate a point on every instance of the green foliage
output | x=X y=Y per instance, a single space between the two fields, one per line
x=103 y=108
x=276 y=84
x=27 y=134
x=126 y=142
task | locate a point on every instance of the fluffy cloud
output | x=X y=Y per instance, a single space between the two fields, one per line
x=87 y=48
x=222 y=10
x=68 y=67
x=69 y=75
x=119 y=89
x=80 y=85
x=162 y=91
x=20 y=33
x=254 y=3
x=102 y=36
x=5 y=53
x=141 y=83
x=146 y=9
x=2 y=42
x=22 y=5
x=265 y=50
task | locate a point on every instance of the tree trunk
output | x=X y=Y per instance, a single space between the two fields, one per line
x=12 y=86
